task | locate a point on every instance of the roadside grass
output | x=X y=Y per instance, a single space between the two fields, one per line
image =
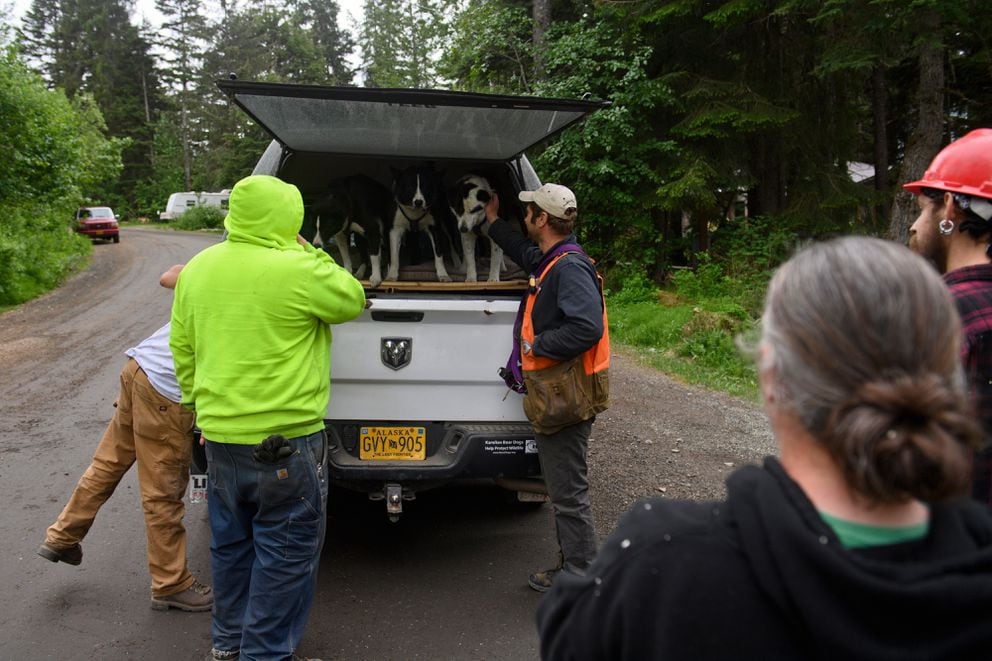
x=691 y=329
x=156 y=224
x=197 y=218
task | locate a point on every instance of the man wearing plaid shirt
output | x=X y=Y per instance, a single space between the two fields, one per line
x=954 y=231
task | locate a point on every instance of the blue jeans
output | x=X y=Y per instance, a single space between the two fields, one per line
x=267 y=523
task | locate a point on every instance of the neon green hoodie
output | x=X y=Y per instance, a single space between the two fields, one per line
x=250 y=335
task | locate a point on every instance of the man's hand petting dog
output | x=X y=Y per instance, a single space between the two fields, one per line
x=492 y=208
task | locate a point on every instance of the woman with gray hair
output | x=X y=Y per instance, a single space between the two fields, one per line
x=857 y=542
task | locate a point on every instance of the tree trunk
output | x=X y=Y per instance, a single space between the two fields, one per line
x=926 y=138
x=184 y=136
x=542 y=21
x=880 y=115
x=767 y=196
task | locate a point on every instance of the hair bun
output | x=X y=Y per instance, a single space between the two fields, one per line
x=901 y=435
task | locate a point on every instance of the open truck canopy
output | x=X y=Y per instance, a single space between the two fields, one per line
x=394 y=123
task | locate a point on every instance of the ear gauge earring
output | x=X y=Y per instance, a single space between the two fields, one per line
x=946 y=227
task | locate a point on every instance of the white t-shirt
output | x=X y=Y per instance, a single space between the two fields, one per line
x=155 y=358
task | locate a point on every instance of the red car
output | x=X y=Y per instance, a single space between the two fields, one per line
x=98 y=223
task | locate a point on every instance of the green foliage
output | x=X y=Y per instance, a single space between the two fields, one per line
x=630 y=285
x=706 y=281
x=37 y=250
x=491 y=49
x=320 y=18
x=691 y=329
x=200 y=218
x=151 y=194
x=754 y=244
x=615 y=159
x=400 y=41
x=687 y=340
x=54 y=149
x=54 y=153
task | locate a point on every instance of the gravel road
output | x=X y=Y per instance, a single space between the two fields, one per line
x=447 y=581
x=664 y=438
x=660 y=437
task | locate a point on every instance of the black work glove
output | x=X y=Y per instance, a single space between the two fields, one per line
x=272 y=449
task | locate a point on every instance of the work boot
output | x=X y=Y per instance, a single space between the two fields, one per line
x=542 y=580
x=194 y=599
x=71 y=555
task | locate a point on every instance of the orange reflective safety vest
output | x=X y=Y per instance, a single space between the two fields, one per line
x=562 y=393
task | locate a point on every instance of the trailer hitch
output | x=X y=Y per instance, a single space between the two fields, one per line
x=394 y=496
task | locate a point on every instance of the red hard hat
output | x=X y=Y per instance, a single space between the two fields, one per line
x=964 y=166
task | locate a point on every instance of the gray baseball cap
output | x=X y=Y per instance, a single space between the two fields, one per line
x=553 y=198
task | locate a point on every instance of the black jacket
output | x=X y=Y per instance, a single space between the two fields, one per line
x=568 y=313
x=761 y=576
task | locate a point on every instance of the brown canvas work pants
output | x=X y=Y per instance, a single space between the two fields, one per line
x=156 y=432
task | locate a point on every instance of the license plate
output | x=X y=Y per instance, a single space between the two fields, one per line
x=197 y=488
x=98 y=232
x=392 y=443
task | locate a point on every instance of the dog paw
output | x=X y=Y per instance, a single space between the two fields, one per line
x=471 y=278
x=444 y=278
x=374 y=281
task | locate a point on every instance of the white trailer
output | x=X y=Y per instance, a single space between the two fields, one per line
x=179 y=203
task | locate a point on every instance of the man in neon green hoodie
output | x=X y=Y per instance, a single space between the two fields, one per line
x=251 y=345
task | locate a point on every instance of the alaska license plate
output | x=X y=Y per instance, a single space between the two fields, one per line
x=392 y=443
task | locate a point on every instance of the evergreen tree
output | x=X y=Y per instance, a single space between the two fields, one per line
x=181 y=37
x=320 y=18
x=36 y=35
x=90 y=46
x=401 y=41
x=381 y=46
x=256 y=44
x=491 y=49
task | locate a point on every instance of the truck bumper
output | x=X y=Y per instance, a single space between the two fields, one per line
x=454 y=451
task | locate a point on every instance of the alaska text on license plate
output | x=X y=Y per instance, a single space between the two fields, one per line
x=392 y=443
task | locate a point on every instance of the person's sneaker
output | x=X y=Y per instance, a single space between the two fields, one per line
x=223 y=655
x=72 y=555
x=194 y=599
x=542 y=580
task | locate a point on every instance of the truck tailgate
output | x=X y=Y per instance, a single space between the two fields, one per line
x=446 y=371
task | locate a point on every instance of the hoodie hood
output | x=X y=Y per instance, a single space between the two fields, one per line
x=931 y=595
x=265 y=211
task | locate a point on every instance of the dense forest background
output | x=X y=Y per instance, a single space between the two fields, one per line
x=737 y=127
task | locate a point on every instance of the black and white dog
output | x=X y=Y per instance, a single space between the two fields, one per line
x=355 y=205
x=467 y=199
x=418 y=193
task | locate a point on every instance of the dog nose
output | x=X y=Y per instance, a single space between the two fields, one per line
x=418 y=203
x=463 y=229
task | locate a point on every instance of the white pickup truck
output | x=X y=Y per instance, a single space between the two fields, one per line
x=416 y=399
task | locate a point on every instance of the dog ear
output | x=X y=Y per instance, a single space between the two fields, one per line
x=483 y=196
x=455 y=200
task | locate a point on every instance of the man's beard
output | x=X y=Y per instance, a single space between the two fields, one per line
x=934 y=251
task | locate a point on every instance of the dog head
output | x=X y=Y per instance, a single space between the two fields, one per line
x=416 y=187
x=467 y=199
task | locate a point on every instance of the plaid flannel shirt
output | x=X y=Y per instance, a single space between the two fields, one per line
x=971 y=287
